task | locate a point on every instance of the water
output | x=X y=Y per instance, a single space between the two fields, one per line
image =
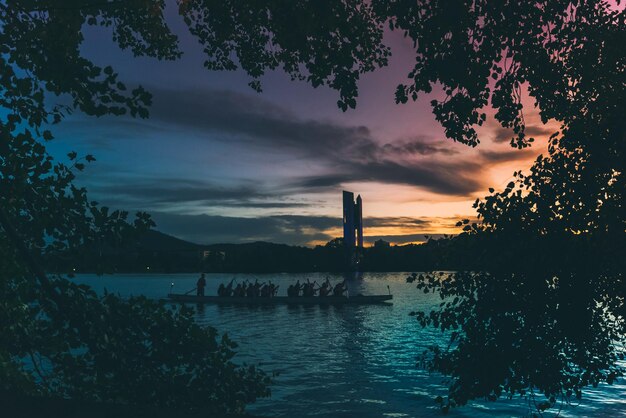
x=350 y=361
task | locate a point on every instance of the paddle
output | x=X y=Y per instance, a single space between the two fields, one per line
x=186 y=293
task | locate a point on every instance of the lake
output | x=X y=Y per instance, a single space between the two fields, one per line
x=350 y=361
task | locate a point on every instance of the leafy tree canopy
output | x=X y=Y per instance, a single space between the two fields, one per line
x=567 y=54
x=546 y=317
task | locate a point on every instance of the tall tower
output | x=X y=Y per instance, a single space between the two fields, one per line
x=358 y=224
x=352 y=222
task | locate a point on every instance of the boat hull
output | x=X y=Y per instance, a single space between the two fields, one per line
x=282 y=300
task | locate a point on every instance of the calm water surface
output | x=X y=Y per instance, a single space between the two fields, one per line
x=351 y=361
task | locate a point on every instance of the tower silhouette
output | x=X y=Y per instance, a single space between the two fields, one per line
x=352 y=224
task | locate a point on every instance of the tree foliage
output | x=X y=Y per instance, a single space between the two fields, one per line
x=568 y=55
x=484 y=53
x=62 y=340
x=545 y=316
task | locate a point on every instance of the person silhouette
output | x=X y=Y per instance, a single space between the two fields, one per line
x=200 y=285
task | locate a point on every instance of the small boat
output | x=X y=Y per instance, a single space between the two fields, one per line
x=282 y=300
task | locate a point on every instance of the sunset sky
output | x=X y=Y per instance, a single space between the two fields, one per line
x=217 y=162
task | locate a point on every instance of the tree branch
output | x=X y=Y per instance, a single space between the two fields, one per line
x=25 y=254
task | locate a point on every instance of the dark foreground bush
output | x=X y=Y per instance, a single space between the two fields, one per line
x=27 y=407
x=81 y=346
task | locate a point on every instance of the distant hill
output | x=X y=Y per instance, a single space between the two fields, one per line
x=158 y=241
x=250 y=245
x=154 y=240
x=157 y=252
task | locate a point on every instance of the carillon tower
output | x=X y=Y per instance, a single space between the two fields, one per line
x=352 y=224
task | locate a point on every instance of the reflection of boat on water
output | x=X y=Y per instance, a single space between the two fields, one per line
x=283 y=300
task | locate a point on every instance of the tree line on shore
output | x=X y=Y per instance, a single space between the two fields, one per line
x=159 y=253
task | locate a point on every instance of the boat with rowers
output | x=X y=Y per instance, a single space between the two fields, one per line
x=256 y=293
x=283 y=300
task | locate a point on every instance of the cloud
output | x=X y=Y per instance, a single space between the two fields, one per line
x=255 y=121
x=491 y=156
x=353 y=151
x=286 y=229
x=450 y=178
x=250 y=126
x=502 y=134
x=166 y=190
x=210 y=229
x=185 y=192
x=446 y=178
x=419 y=146
x=403 y=239
x=321 y=156
x=401 y=221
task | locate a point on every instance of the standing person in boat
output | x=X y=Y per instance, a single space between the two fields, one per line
x=340 y=288
x=200 y=285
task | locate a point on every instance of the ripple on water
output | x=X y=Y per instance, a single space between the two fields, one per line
x=350 y=361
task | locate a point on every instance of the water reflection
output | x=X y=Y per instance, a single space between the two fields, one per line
x=344 y=361
x=200 y=309
x=542 y=336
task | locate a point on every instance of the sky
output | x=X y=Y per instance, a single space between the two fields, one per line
x=217 y=162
